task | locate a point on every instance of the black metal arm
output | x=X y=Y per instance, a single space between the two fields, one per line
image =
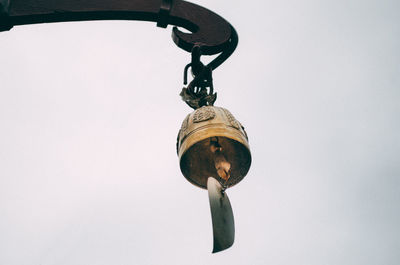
x=213 y=33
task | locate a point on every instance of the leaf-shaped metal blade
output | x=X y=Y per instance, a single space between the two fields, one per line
x=222 y=216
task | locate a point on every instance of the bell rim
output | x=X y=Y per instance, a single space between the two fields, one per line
x=203 y=133
x=230 y=184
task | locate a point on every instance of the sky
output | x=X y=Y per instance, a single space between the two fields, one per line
x=90 y=111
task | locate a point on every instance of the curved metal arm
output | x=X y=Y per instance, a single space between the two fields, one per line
x=207 y=29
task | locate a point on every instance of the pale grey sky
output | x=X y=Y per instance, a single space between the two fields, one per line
x=89 y=114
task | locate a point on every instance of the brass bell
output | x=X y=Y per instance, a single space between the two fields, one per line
x=212 y=143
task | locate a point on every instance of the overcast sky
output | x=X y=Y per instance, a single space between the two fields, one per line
x=89 y=113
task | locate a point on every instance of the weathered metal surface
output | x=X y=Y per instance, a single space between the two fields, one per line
x=4 y=4
x=221 y=215
x=203 y=130
x=208 y=29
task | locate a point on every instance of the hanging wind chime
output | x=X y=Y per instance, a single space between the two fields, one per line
x=212 y=145
x=213 y=149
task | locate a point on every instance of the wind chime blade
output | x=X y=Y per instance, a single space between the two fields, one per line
x=221 y=215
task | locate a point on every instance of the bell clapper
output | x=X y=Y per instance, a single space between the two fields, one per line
x=222 y=166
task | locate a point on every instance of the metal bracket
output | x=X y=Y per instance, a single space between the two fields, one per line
x=4 y=21
x=212 y=32
x=163 y=14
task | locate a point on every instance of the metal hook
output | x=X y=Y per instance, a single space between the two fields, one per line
x=197 y=65
x=185 y=70
x=200 y=91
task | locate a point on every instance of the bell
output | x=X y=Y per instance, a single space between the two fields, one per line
x=212 y=143
x=214 y=154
